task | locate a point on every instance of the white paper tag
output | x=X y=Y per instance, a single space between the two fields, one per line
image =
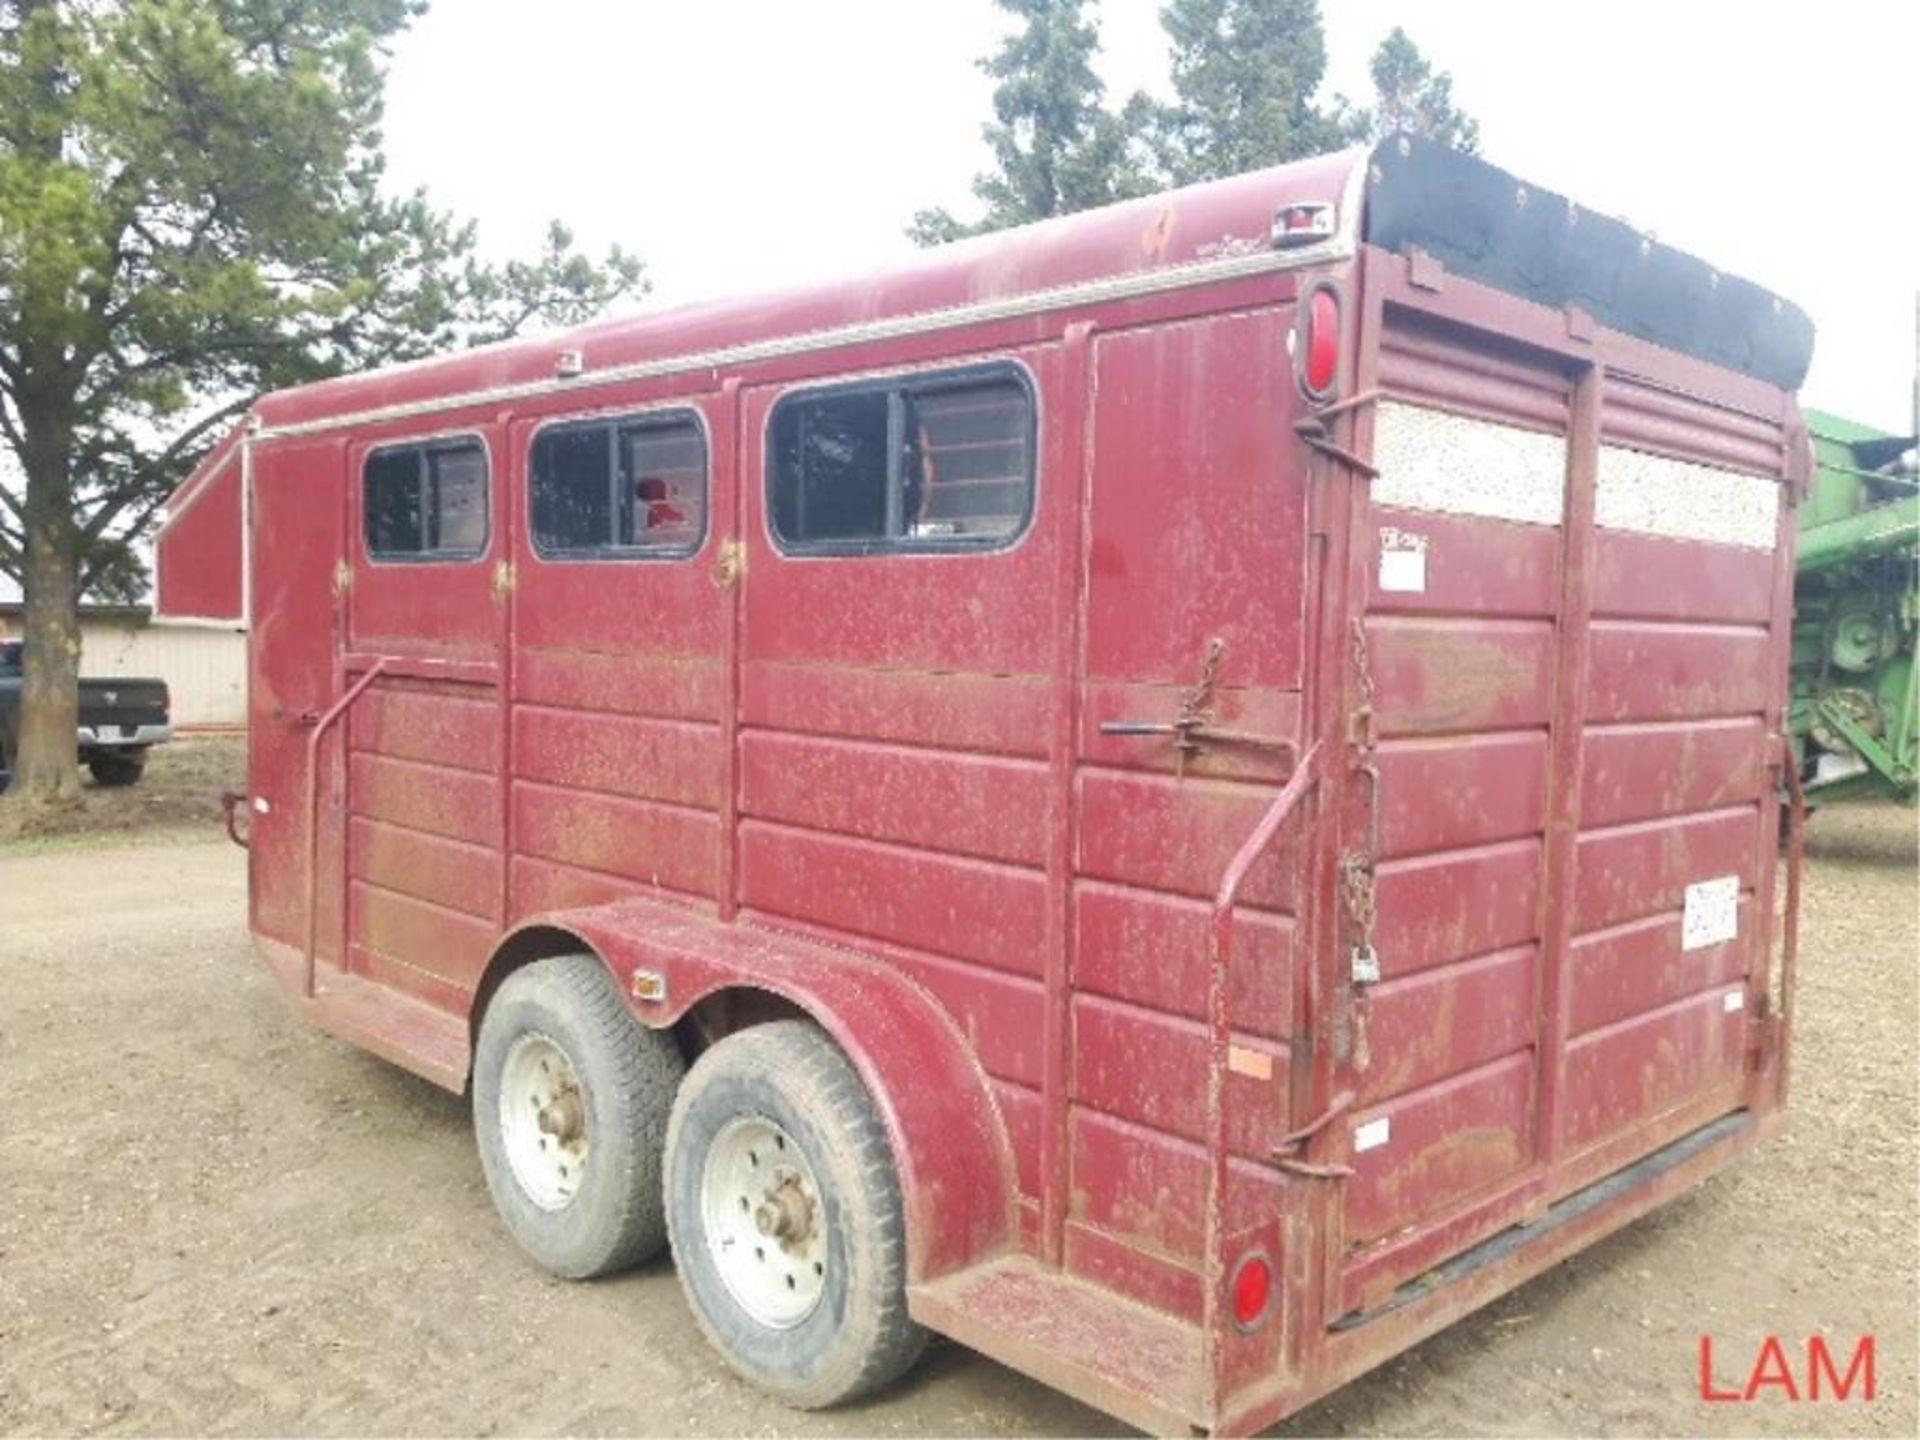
x=1733 y=1000
x=1403 y=561
x=1712 y=913
x=1373 y=1134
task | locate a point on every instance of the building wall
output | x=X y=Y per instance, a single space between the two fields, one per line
x=205 y=666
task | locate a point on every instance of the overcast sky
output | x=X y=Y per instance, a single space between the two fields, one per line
x=738 y=144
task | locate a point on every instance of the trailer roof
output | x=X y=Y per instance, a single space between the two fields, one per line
x=1479 y=220
x=1484 y=224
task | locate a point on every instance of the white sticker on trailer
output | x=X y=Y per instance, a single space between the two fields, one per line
x=1373 y=1134
x=1734 y=1000
x=1403 y=561
x=1712 y=913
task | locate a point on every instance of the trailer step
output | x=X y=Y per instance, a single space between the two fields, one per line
x=393 y=1025
x=1100 y=1347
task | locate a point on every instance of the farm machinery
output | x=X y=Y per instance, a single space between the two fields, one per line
x=1855 y=713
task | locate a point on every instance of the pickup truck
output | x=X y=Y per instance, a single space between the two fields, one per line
x=119 y=719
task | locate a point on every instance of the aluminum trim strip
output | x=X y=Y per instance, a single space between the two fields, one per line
x=1173 y=277
x=191 y=489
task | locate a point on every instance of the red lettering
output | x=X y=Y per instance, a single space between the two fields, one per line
x=1707 y=1391
x=1820 y=1360
x=1774 y=1355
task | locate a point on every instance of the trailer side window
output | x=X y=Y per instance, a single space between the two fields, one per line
x=922 y=463
x=615 y=489
x=427 y=502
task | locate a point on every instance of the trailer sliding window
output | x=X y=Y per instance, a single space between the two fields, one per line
x=940 y=462
x=427 y=501
x=633 y=487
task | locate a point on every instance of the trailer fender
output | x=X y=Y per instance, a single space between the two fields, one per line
x=950 y=1146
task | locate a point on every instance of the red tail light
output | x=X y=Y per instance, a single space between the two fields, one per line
x=1252 y=1291
x=1318 y=357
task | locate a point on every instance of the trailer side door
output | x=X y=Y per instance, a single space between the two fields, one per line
x=425 y=582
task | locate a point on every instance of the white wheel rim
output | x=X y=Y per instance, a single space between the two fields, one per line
x=543 y=1121
x=765 y=1224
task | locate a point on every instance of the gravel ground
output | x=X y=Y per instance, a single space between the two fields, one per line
x=214 y=1219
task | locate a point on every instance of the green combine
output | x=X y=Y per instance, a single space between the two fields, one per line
x=1855 y=716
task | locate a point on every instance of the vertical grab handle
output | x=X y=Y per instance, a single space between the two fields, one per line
x=310 y=951
x=1219 y=1040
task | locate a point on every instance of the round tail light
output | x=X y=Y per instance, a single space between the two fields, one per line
x=1252 y=1291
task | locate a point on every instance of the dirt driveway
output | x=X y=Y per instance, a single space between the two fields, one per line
x=215 y=1219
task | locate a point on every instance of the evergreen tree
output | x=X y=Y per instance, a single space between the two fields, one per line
x=1410 y=95
x=190 y=214
x=1056 y=148
x=1244 y=77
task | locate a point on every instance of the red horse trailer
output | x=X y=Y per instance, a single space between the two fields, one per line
x=1184 y=795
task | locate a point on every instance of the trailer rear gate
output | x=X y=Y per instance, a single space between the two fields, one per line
x=1570 y=693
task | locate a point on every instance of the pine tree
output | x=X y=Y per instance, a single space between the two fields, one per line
x=1411 y=96
x=1056 y=148
x=1244 y=77
x=190 y=214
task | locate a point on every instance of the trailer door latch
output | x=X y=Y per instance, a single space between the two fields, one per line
x=1194 y=733
x=1286 y=1154
x=1192 y=727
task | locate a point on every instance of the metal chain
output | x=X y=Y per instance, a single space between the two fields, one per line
x=1196 y=708
x=1357 y=865
x=1196 y=705
x=1363 y=679
x=1357 y=890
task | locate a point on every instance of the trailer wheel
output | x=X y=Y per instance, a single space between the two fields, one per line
x=786 y=1217
x=114 y=771
x=570 y=1102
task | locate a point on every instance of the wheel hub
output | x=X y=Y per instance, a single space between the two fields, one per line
x=543 y=1121
x=786 y=1213
x=766 y=1227
x=565 y=1118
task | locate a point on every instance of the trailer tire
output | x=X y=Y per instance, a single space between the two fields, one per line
x=774 y=1148
x=112 y=772
x=570 y=1102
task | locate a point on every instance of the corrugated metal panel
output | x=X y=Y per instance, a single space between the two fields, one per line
x=1429 y=363
x=1646 y=416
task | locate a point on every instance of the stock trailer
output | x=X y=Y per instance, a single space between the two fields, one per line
x=1184 y=795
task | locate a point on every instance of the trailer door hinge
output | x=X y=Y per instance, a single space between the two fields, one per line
x=342 y=578
x=731 y=565
x=504 y=579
